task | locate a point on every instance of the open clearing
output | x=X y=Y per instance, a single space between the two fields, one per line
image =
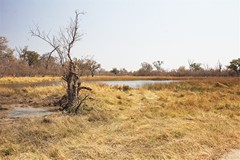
x=197 y=119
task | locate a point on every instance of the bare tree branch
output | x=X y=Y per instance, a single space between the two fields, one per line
x=62 y=44
x=49 y=56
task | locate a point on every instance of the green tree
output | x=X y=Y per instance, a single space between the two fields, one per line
x=114 y=71
x=235 y=66
x=196 y=67
x=31 y=57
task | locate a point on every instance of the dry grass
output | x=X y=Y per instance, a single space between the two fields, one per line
x=189 y=120
x=5 y=91
x=20 y=80
x=41 y=91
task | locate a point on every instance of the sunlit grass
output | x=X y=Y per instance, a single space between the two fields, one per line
x=42 y=91
x=4 y=91
x=19 y=80
x=196 y=119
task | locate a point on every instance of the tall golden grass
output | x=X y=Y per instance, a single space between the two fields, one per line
x=196 y=119
x=19 y=80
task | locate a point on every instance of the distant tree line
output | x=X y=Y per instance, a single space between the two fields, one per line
x=194 y=69
x=30 y=63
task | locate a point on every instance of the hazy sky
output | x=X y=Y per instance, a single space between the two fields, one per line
x=124 y=33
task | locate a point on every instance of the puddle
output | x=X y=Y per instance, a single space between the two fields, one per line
x=28 y=112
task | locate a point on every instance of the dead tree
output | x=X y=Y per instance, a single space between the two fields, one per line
x=62 y=45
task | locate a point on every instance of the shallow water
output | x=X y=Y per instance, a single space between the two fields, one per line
x=136 y=83
x=28 y=112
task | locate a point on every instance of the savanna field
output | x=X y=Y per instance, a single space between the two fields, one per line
x=196 y=118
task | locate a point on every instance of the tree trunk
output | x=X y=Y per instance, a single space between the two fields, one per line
x=73 y=101
x=73 y=88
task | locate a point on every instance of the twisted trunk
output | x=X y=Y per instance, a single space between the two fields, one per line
x=74 y=100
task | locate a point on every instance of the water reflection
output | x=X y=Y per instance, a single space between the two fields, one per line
x=137 y=83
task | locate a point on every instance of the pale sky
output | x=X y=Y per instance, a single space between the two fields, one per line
x=125 y=33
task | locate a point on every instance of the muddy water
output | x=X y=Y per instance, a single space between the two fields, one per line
x=28 y=112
